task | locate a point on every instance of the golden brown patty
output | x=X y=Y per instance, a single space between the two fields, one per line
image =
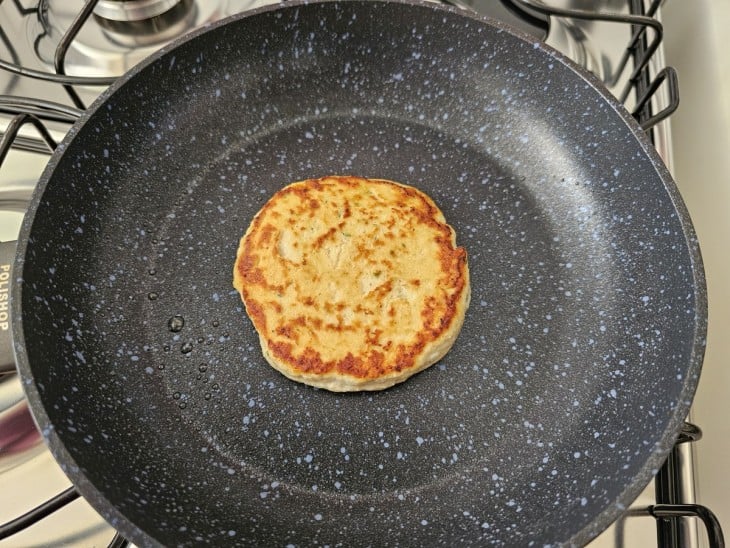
x=352 y=283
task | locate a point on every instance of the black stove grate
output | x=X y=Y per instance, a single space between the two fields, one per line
x=669 y=511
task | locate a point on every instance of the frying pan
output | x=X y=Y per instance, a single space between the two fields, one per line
x=564 y=392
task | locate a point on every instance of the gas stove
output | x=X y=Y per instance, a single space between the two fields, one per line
x=56 y=57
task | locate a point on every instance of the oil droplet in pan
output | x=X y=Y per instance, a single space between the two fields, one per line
x=152 y=296
x=176 y=323
x=186 y=348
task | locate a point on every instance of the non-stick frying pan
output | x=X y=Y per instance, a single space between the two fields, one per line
x=564 y=392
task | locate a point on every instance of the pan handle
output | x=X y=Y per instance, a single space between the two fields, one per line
x=7 y=360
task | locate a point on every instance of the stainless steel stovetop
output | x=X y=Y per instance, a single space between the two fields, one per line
x=117 y=35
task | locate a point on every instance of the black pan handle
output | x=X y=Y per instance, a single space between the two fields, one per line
x=7 y=255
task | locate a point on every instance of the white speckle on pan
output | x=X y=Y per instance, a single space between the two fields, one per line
x=419 y=440
x=148 y=370
x=424 y=522
x=318 y=517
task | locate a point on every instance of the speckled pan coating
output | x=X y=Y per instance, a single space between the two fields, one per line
x=578 y=358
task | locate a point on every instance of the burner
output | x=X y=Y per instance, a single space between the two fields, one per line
x=129 y=28
x=121 y=33
x=132 y=10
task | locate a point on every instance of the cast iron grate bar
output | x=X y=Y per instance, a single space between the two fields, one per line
x=38 y=513
x=118 y=542
x=640 y=49
x=36 y=112
x=636 y=49
x=14 y=126
x=59 y=59
x=46 y=509
x=23 y=10
x=675 y=512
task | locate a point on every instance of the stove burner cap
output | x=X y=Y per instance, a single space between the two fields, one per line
x=155 y=29
x=132 y=10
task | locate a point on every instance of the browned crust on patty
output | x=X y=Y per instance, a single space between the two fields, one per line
x=317 y=239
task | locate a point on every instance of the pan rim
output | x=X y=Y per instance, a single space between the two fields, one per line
x=694 y=363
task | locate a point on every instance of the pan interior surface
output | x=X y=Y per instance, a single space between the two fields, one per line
x=578 y=355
